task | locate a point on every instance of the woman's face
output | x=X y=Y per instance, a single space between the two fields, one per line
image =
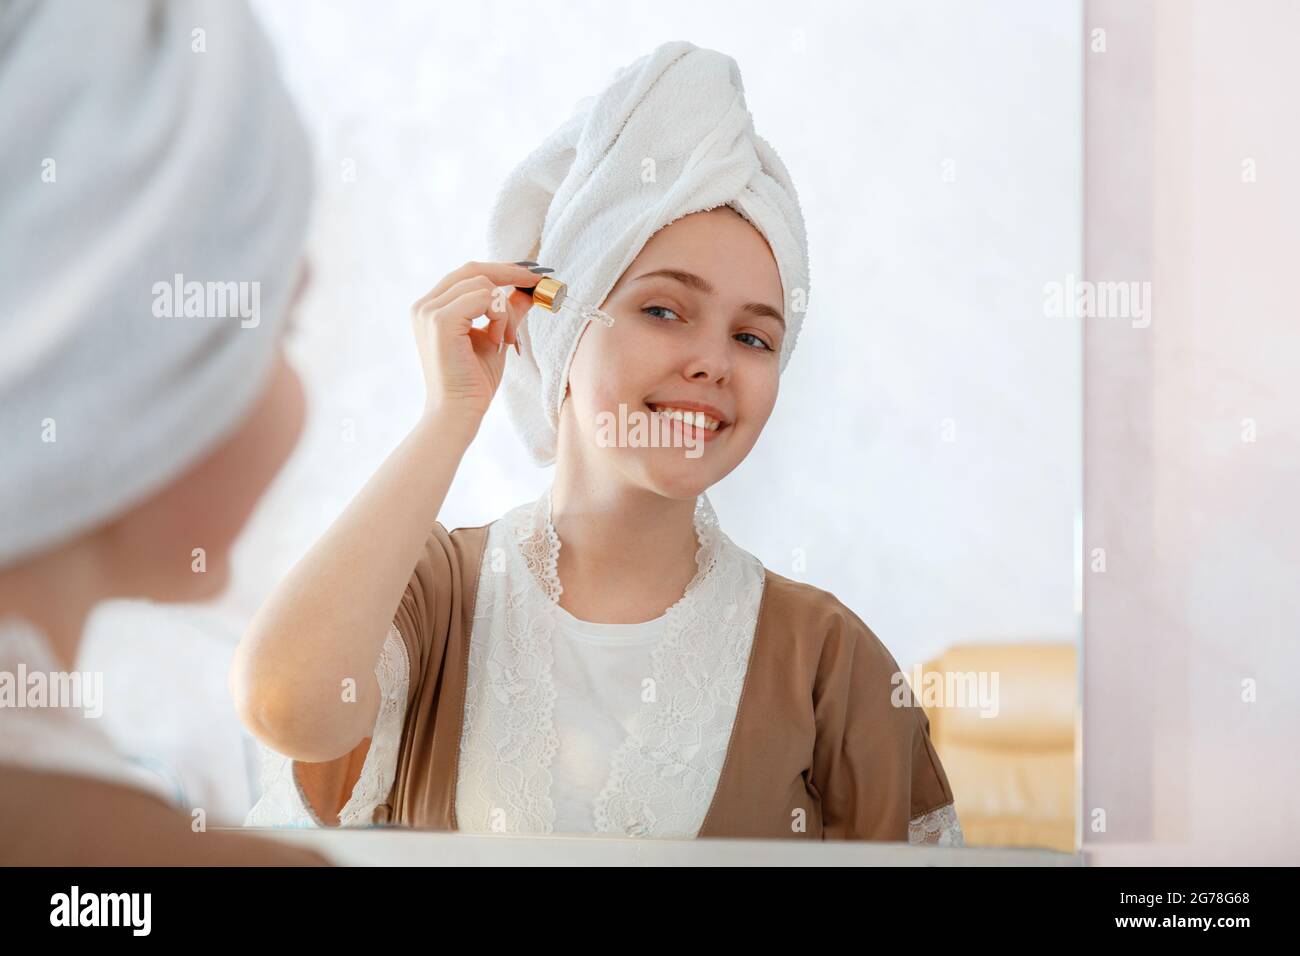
x=697 y=320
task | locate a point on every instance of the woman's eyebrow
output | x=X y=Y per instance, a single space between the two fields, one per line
x=700 y=284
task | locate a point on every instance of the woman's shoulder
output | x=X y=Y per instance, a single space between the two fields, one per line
x=469 y=530
x=517 y=519
x=823 y=625
x=460 y=540
x=804 y=602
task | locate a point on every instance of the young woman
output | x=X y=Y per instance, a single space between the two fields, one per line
x=131 y=438
x=603 y=659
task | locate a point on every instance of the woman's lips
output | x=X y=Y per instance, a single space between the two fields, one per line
x=682 y=432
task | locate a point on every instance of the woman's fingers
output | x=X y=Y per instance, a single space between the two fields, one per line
x=525 y=300
x=457 y=310
x=499 y=273
x=455 y=313
x=480 y=288
x=463 y=364
x=505 y=307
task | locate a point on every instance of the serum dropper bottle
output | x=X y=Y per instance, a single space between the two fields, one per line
x=553 y=295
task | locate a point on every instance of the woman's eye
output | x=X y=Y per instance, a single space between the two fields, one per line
x=759 y=343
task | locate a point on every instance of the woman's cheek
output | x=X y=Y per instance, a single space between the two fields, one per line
x=760 y=399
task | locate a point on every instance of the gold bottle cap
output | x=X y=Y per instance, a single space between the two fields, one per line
x=550 y=293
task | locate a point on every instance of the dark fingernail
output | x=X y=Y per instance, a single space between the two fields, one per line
x=525 y=262
x=540 y=270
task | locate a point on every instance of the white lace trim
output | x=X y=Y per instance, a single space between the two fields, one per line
x=393 y=672
x=664 y=775
x=938 y=827
x=283 y=804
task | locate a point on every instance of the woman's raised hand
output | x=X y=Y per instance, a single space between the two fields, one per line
x=463 y=365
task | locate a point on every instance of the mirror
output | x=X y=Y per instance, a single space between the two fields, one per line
x=891 y=528
x=922 y=463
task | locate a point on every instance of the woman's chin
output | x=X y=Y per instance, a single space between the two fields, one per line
x=680 y=478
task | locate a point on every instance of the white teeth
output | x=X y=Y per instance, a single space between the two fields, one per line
x=698 y=419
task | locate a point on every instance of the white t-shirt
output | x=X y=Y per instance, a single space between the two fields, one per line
x=600 y=673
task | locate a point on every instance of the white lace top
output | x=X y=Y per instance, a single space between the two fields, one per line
x=556 y=735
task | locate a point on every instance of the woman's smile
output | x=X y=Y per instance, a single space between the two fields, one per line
x=696 y=421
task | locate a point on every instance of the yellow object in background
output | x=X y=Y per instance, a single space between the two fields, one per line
x=1011 y=767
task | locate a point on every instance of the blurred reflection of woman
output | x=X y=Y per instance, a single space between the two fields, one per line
x=137 y=433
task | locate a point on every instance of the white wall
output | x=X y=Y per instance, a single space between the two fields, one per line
x=1199 y=524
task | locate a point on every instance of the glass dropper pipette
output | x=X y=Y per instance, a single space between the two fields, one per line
x=553 y=295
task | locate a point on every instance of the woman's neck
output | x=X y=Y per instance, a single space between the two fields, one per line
x=55 y=593
x=626 y=554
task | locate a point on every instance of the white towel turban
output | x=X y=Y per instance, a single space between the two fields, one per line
x=138 y=141
x=582 y=204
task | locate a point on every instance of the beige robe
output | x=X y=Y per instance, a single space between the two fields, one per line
x=818 y=750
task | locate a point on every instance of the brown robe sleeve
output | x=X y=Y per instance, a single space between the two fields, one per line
x=424 y=615
x=423 y=619
x=874 y=765
x=436 y=619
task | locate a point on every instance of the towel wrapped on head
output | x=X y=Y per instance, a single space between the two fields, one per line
x=669 y=136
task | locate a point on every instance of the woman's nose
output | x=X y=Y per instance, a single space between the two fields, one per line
x=710 y=360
